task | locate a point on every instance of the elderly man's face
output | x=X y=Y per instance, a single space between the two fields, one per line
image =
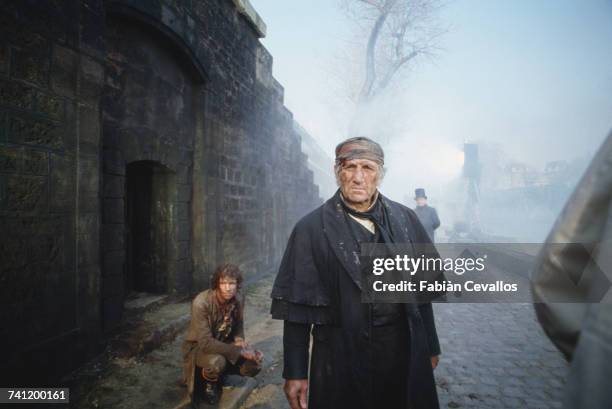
x=358 y=181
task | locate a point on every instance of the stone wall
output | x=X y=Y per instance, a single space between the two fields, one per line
x=141 y=144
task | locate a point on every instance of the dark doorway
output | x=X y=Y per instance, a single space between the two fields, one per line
x=149 y=127
x=150 y=191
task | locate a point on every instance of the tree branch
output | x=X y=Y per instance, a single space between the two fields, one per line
x=370 y=75
x=398 y=64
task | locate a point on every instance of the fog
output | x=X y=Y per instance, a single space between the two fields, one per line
x=529 y=82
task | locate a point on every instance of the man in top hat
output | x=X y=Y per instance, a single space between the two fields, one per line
x=427 y=214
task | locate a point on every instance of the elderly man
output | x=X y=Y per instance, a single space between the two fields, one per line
x=364 y=355
x=215 y=342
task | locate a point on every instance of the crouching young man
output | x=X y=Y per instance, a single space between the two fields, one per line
x=215 y=344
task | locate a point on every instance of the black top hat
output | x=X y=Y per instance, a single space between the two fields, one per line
x=420 y=192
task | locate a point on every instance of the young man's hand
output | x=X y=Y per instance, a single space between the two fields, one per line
x=259 y=356
x=296 y=391
x=248 y=354
x=241 y=342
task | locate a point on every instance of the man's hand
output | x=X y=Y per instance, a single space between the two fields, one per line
x=296 y=391
x=252 y=355
x=434 y=361
x=248 y=354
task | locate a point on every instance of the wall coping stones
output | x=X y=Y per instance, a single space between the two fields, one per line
x=248 y=11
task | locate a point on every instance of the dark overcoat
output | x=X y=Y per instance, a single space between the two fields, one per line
x=428 y=216
x=306 y=290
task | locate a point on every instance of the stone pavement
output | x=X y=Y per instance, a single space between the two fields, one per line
x=494 y=356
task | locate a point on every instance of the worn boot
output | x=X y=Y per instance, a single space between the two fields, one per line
x=212 y=392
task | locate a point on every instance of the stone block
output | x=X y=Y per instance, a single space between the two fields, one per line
x=169 y=157
x=26 y=193
x=3 y=126
x=184 y=231
x=16 y=95
x=184 y=193
x=4 y=59
x=35 y=131
x=183 y=267
x=29 y=287
x=182 y=211
x=35 y=162
x=50 y=106
x=31 y=62
x=64 y=71
x=88 y=237
x=183 y=249
x=61 y=183
x=89 y=295
x=92 y=79
x=114 y=236
x=89 y=129
x=114 y=211
x=182 y=174
x=12 y=247
x=113 y=186
x=10 y=159
x=89 y=202
x=113 y=162
x=89 y=174
x=114 y=263
x=91 y=21
x=45 y=241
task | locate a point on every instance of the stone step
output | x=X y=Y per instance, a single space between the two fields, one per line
x=147 y=327
x=142 y=301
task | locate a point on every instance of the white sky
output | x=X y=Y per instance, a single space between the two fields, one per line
x=535 y=76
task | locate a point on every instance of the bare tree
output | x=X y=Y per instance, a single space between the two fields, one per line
x=399 y=32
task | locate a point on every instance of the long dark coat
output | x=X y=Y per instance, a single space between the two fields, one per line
x=319 y=261
x=428 y=216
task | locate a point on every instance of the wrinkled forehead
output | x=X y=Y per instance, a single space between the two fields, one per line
x=359 y=162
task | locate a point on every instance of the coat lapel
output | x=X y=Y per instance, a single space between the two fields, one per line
x=401 y=227
x=336 y=230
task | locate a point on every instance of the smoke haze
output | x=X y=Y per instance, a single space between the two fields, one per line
x=530 y=82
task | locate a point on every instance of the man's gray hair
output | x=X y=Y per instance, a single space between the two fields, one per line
x=359 y=147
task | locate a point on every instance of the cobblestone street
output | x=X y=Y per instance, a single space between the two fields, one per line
x=494 y=356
